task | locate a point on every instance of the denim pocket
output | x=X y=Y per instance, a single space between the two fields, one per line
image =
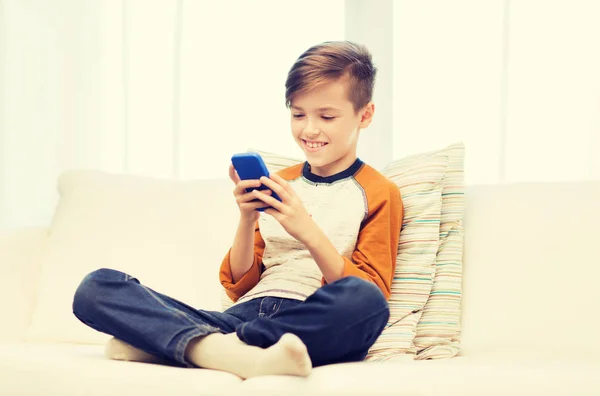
x=269 y=306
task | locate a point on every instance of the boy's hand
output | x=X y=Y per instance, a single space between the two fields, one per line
x=290 y=212
x=246 y=201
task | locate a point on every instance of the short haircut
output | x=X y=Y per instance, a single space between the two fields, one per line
x=331 y=61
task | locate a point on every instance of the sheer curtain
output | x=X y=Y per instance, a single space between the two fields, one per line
x=517 y=81
x=171 y=88
x=167 y=88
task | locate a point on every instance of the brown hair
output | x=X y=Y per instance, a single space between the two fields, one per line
x=328 y=62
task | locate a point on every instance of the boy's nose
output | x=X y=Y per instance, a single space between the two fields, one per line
x=312 y=134
x=310 y=131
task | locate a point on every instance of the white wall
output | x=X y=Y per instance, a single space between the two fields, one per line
x=168 y=88
x=35 y=125
x=517 y=81
x=172 y=88
x=2 y=106
x=374 y=27
x=553 y=90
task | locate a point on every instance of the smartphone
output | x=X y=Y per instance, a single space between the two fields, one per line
x=250 y=166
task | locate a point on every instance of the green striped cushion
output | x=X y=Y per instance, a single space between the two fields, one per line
x=419 y=178
x=438 y=330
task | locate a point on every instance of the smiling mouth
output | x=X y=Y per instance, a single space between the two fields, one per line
x=313 y=146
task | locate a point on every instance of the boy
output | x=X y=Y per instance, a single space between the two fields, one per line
x=310 y=276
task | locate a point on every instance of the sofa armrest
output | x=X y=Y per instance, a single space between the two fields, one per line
x=20 y=258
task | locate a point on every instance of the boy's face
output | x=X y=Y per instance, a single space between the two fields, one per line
x=326 y=127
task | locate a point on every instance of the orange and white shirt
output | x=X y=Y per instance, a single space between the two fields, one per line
x=359 y=210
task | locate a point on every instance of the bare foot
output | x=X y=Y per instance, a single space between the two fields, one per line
x=287 y=357
x=119 y=350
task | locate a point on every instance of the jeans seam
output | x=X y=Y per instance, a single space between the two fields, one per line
x=171 y=309
x=184 y=341
x=201 y=329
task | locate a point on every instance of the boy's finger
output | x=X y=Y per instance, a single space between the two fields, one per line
x=243 y=185
x=275 y=203
x=249 y=197
x=283 y=183
x=273 y=185
x=254 y=205
x=233 y=174
x=275 y=213
x=249 y=183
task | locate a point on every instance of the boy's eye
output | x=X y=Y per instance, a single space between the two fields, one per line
x=326 y=118
x=298 y=115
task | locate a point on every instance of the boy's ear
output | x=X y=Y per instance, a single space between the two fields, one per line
x=367 y=115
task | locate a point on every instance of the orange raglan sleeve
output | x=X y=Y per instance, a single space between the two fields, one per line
x=235 y=290
x=374 y=257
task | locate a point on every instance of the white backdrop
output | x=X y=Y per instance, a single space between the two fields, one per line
x=518 y=81
x=163 y=88
x=171 y=88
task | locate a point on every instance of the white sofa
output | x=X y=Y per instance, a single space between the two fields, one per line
x=530 y=314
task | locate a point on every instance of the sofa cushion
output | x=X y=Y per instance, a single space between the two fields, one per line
x=20 y=254
x=171 y=235
x=531 y=269
x=63 y=369
x=459 y=376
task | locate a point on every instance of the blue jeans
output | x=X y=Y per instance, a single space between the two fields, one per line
x=338 y=323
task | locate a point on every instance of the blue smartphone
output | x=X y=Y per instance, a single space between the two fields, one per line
x=250 y=166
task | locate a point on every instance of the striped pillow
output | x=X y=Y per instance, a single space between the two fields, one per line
x=438 y=330
x=419 y=178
